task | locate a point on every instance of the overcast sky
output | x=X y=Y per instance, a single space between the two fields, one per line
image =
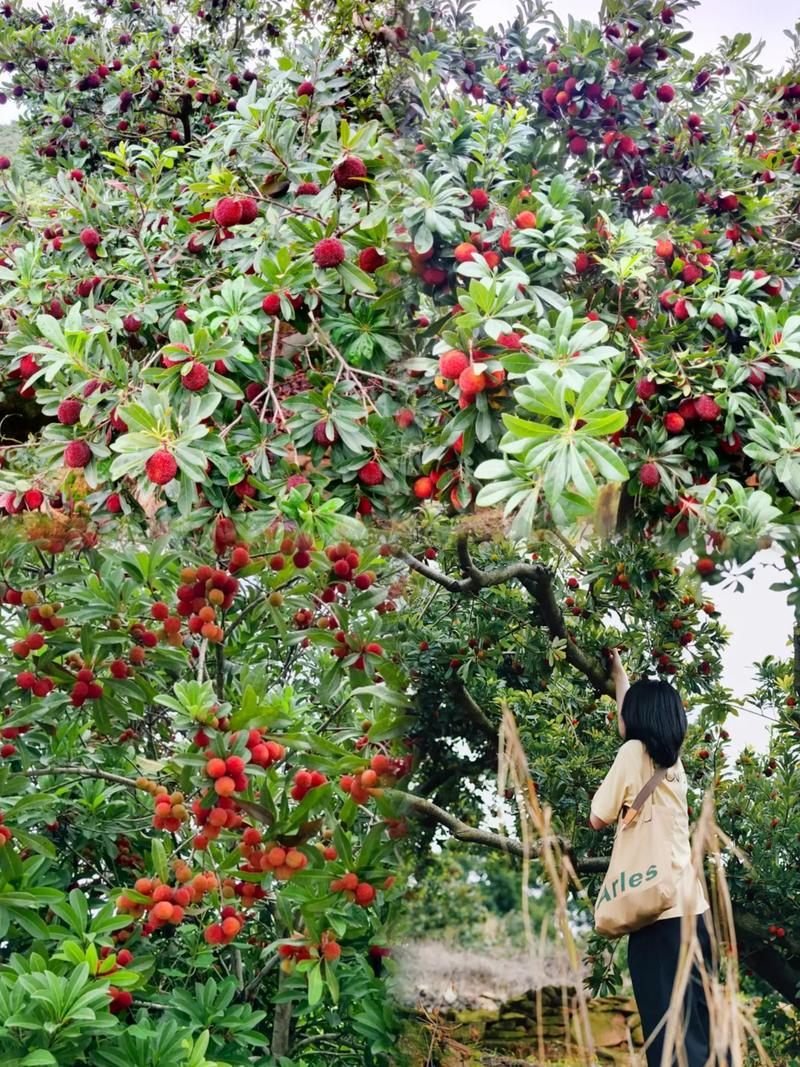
x=712 y=19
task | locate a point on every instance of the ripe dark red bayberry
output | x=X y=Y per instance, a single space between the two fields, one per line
x=161 y=467
x=196 y=377
x=707 y=408
x=77 y=454
x=68 y=412
x=649 y=475
x=350 y=173
x=329 y=252
x=370 y=259
x=227 y=212
x=89 y=237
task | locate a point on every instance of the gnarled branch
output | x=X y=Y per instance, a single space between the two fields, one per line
x=537 y=580
x=426 y=809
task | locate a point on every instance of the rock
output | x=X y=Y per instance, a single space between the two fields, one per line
x=609 y=1028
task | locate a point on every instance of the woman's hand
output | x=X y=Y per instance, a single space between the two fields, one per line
x=616 y=670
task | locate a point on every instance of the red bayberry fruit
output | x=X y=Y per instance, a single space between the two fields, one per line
x=77 y=454
x=649 y=475
x=350 y=173
x=453 y=363
x=161 y=467
x=227 y=212
x=69 y=411
x=329 y=252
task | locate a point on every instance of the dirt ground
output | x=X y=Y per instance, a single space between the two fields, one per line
x=439 y=976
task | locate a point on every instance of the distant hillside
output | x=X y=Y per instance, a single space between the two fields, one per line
x=9 y=138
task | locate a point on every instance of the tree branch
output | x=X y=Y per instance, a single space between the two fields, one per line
x=84 y=772
x=778 y=970
x=426 y=809
x=477 y=715
x=537 y=580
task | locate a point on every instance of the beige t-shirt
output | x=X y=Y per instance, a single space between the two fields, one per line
x=632 y=769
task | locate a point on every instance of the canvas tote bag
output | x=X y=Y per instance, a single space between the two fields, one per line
x=640 y=883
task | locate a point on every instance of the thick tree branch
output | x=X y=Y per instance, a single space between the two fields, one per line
x=796 y=661
x=426 y=809
x=540 y=589
x=778 y=970
x=537 y=580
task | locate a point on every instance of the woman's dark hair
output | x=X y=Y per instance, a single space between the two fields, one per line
x=653 y=713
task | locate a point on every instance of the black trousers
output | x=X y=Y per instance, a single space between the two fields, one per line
x=653 y=962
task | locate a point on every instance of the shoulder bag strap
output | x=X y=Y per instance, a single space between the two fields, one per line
x=643 y=794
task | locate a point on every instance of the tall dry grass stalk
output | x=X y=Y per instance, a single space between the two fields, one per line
x=732 y=1027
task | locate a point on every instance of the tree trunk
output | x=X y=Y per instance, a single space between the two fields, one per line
x=281 y=1025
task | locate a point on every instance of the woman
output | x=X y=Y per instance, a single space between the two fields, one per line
x=652 y=720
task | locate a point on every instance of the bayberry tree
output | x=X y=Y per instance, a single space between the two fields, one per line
x=194 y=745
x=294 y=265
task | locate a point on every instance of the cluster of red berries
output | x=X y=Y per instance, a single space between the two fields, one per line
x=298 y=547
x=204 y=590
x=470 y=374
x=270 y=857
x=382 y=770
x=164 y=904
x=85 y=688
x=121 y=959
x=9 y=734
x=304 y=781
x=126 y=857
x=356 y=891
x=228 y=775
x=169 y=808
x=263 y=753
x=31 y=643
x=5 y=833
x=39 y=686
x=235 y=212
x=44 y=615
x=328 y=949
x=347 y=644
x=224 y=815
x=121 y=1000
x=227 y=929
x=345 y=559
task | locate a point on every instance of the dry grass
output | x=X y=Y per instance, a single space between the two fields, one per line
x=732 y=1026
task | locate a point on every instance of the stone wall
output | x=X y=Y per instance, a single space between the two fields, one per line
x=510 y=1034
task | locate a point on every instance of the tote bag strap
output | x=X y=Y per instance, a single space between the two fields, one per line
x=643 y=794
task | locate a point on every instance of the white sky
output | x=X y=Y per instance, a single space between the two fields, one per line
x=760 y=623
x=765 y=20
